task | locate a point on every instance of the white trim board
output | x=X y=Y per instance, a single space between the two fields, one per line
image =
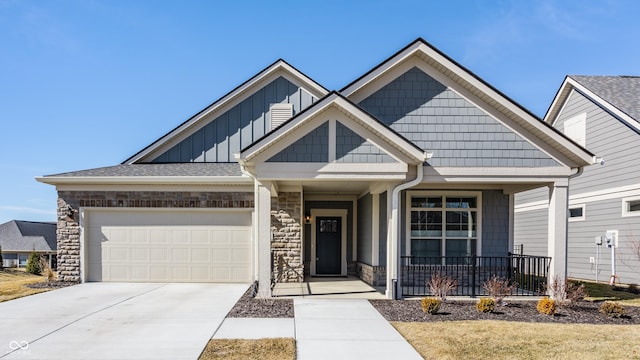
x=592 y=196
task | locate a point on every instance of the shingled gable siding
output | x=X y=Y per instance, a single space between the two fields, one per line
x=286 y=244
x=353 y=148
x=238 y=127
x=70 y=202
x=437 y=119
x=313 y=147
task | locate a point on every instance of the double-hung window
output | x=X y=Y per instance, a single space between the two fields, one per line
x=443 y=225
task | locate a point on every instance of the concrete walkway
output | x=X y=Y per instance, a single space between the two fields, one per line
x=328 y=329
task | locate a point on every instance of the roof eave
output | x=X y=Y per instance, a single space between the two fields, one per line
x=133 y=180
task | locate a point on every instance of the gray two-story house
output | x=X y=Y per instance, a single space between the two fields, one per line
x=601 y=113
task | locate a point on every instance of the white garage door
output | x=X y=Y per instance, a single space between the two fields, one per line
x=168 y=246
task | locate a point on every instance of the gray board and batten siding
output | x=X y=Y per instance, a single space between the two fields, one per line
x=608 y=137
x=439 y=120
x=239 y=127
x=350 y=148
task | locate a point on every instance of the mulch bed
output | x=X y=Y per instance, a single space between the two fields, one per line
x=524 y=311
x=585 y=312
x=250 y=307
x=50 y=285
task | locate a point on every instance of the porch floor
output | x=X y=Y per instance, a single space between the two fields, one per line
x=349 y=287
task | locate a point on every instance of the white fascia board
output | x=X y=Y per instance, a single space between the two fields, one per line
x=230 y=100
x=502 y=175
x=343 y=171
x=63 y=180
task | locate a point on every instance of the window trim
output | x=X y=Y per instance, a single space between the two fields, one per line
x=626 y=204
x=429 y=193
x=577 y=218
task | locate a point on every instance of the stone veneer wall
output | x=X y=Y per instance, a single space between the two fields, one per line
x=70 y=202
x=372 y=275
x=286 y=244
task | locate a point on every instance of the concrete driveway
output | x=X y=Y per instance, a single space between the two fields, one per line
x=115 y=321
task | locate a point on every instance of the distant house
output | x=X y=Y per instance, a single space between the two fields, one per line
x=601 y=113
x=414 y=162
x=20 y=238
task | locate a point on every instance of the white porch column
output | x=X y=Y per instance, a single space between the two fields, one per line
x=392 y=246
x=263 y=212
x=557 y=237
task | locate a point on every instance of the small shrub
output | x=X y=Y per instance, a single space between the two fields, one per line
x=546 y=306
x=430 y=305
x=634 y=289
x=46 y=270
x=441 y=285
x=567 y=292
x=486 y=305
x=33 y=264
x=498 y=288
x=612 y=309
x=575 y=292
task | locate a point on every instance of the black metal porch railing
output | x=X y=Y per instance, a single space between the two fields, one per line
x=527 y=273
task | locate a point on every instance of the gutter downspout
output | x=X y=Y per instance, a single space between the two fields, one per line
x=393 y=244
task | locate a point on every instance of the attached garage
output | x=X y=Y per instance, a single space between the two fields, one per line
x=133 y=245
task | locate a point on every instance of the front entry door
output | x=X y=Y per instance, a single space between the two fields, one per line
x=328 y=245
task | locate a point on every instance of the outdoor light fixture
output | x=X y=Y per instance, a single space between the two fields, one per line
x=307 y=219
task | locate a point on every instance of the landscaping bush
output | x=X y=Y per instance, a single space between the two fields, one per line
x=612 y=309
x=441 y=285
x=486 y=305
x=567 y=292
x=498 y=288
x=546 y=306
x=46 y=270
x=430 y=305
x=33 y=264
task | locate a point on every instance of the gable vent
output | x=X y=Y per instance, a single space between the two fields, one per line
x=280 y=113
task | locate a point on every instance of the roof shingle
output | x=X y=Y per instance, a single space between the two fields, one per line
x=623 y=92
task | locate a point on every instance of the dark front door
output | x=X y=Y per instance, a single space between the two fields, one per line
x=328 y=245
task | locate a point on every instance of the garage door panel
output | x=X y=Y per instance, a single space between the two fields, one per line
x=172 y=246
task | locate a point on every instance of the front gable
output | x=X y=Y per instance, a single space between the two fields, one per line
x=332 y=138
x=234 y=121
x=434 y=101
x=458 y=132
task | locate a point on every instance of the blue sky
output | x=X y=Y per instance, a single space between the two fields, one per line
x=88 y=83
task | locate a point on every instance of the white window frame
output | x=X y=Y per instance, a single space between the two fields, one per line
x=575 y=128
x=577 y=218
x=444 y=194
x=626 y=203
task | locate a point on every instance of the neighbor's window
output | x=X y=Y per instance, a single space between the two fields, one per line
x=631 y=206
x=443 y=225
x=577 y=213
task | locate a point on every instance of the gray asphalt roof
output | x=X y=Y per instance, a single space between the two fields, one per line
x=623 y=92
x=17 y=235
x=182 y=169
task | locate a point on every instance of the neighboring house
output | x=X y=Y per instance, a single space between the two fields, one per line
x=19 y=239
x=282 y=177
x=601 y=113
